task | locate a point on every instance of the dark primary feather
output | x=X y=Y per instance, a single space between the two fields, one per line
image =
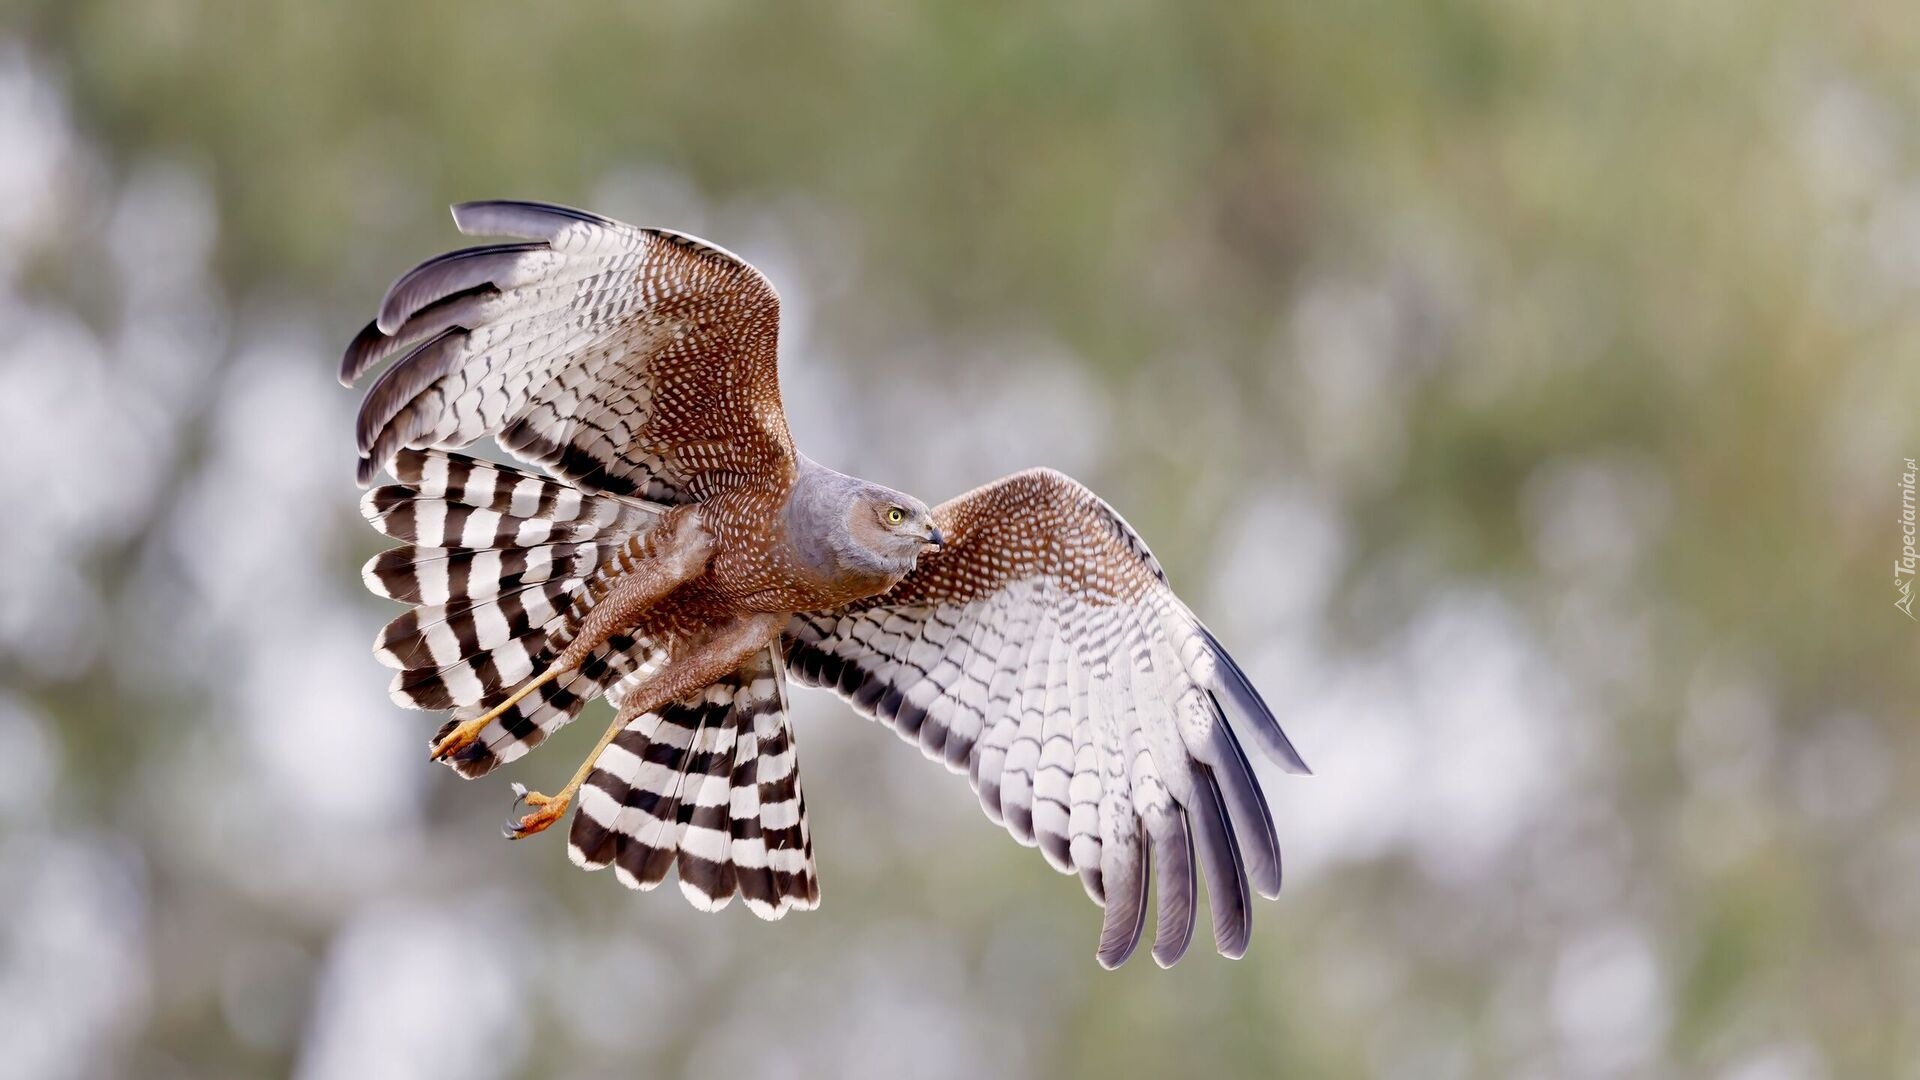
x=1219 y=858
x=397 y=386
x=1251 y=709
x=444 y=275
x=370 y=345
x=1126 y=916
x=596 y=349
x=520 y=218
x=1173 y=859
x=1247 y=804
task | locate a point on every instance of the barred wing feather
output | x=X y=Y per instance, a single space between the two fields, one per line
x=499 y=566
x=1043 y=654
x=626 y=360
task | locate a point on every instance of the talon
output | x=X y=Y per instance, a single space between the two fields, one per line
x=455 y=741
x=549 y=810
x=463 y=736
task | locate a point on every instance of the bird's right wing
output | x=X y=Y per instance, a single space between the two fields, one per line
x=627 y=360
x=1043 y=654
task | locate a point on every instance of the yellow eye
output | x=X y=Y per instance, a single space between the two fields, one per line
x=895 y=515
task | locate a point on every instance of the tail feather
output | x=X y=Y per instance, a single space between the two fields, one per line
x=708 y=784
x=430 y=575
x=497 y=564
x=529 y=721
x=415 y=519
x=474 y=678
x=438 y=634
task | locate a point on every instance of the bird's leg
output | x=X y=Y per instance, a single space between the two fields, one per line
x=648 y=567
x=722 y=654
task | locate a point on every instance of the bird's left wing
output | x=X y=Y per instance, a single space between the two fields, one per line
x=627 y=360
x=1042 y=653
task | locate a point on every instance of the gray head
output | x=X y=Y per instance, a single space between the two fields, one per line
x=857 y=533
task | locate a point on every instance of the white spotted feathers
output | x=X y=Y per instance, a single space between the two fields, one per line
x=1043 y=656
x=632 y=361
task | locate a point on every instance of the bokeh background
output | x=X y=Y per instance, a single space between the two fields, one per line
x=1520 y=389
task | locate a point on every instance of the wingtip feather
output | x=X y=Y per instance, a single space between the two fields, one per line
x=1247 y=805
x=521 y=218
x=362 y=352
x=447 y=275
x=1173 y=932
x=1220 y=859
x=1126 y=913
x=1251 y=708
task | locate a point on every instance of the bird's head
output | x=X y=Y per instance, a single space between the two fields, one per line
x=892 y=527
x=858 y=536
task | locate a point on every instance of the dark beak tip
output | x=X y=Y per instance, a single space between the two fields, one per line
x=936 y=539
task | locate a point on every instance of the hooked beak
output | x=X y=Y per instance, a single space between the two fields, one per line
x=934 y=539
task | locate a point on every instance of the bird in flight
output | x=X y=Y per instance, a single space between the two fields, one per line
x=679 y=556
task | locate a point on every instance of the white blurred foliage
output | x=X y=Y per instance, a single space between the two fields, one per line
x=1447 y=746
x=30 y=763
x=36 y=172
x=71 y=418
x=1345 y=350
x=986 y=410
x=898 y=1002
x=1727 y=744
x=264 y=987
x=340 y=766
x=621 y=993
x=422 y=991
x=1786 y=1060
x=1593 y=519
x=172 y=327
x=73 y=980
x=1848 y=143
x=1842 y=771
x=1288 y=546
x=1851 y=144
x=1609 y=1002
x=102 y=416
x=1419 y=1043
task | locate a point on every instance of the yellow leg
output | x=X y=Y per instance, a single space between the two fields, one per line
x=720 y=655
x=670 y=558
x=461 y=737
x=551 y=808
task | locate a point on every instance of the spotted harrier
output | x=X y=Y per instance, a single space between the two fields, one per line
x=680 y=557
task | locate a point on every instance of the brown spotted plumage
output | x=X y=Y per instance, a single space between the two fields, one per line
x=683 y=559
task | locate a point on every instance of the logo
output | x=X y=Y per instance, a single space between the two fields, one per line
x=1903 y=567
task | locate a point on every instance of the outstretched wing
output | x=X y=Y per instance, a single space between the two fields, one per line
x=627 y=360
x=1043 y=654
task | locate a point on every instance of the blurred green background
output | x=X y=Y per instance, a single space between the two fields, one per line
x=1520 y=389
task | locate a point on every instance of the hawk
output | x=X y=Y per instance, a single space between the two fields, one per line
x=680 y=557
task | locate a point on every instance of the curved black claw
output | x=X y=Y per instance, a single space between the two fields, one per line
x=511 y=830
x=549 y=809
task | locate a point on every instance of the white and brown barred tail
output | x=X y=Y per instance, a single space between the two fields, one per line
x=500 y=566
x=711 y=784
